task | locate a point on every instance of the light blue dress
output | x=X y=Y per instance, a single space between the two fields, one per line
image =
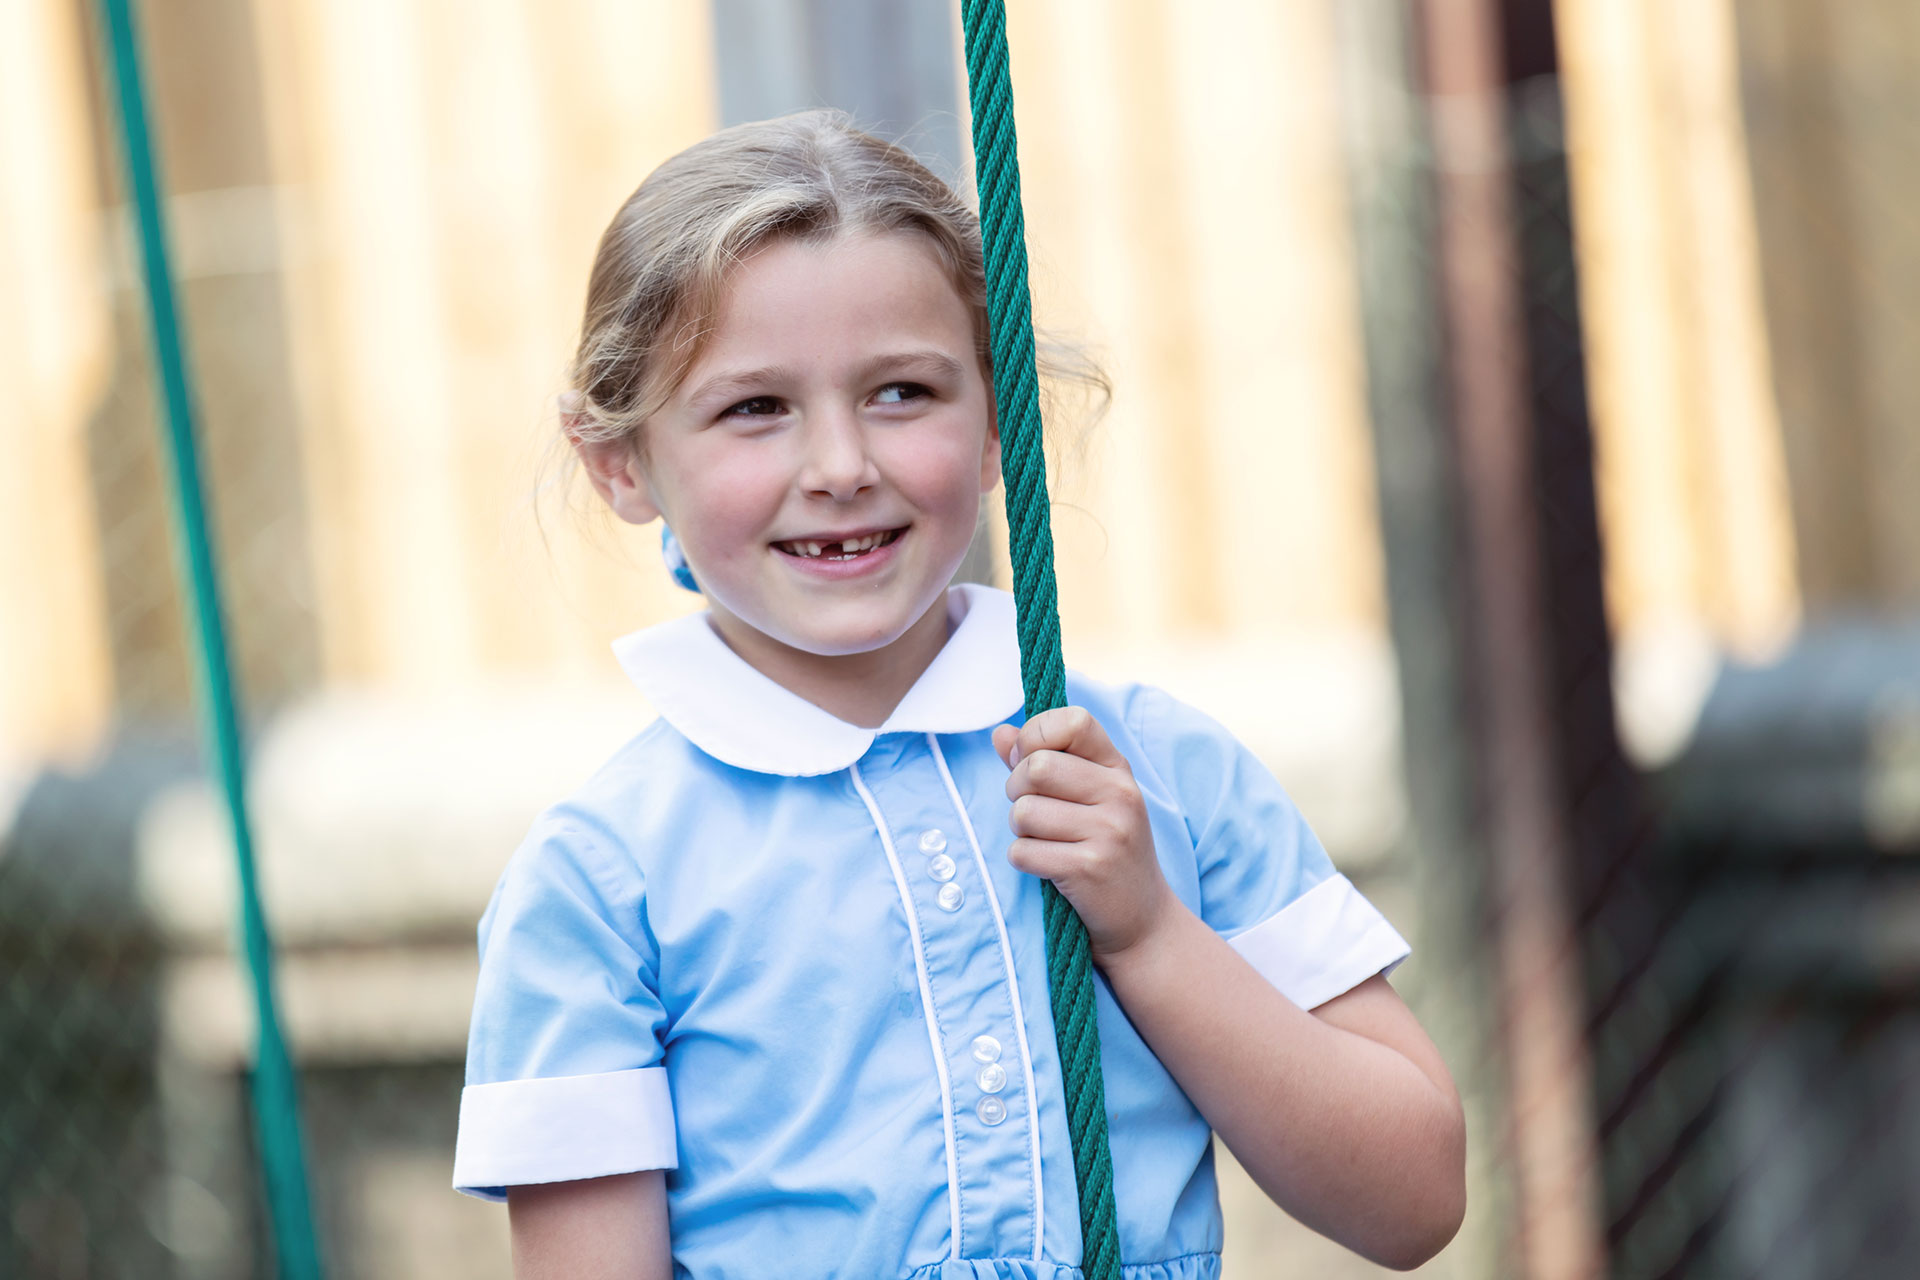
x=785 y=958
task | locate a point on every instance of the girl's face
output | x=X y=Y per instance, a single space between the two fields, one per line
x=822 y=462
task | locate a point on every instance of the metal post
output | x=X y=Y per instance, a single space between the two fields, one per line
x=1542 y=996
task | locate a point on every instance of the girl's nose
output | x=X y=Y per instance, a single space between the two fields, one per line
x=838 y=463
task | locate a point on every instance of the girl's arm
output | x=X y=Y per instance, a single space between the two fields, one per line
x=594 y=1229
x=1345 y=1116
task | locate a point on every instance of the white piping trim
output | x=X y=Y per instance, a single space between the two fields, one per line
x=926 y=1001
x=1013 y=990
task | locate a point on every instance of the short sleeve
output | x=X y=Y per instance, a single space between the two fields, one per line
x=1266 y=884
x=564 y=1060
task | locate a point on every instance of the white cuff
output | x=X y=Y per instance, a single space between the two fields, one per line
x=562 y=1128
x=1325 y=942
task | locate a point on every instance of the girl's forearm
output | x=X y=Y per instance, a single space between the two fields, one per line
x=1361 y=1138
x=595 y=1229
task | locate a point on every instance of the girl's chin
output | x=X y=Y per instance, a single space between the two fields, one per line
x=840 y=630
x=847 y=641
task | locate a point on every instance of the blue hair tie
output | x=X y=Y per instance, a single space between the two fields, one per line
x=676 y=559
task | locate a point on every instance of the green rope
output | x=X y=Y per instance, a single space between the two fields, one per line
x=275 y=1097
x=1016 y=391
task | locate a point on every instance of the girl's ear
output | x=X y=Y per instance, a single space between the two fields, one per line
x=990 y=453
x=612 y=466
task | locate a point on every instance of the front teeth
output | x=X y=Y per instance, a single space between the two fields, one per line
x=848 y=549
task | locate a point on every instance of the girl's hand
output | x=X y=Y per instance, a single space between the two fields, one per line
x=1079 y=821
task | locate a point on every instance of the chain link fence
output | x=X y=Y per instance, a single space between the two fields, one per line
x=1742 y=907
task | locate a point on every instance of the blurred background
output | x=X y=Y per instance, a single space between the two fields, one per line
x=1513 y=440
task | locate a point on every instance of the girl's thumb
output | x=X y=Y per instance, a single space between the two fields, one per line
x=1006 y=743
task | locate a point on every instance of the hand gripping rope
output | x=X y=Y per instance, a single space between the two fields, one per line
x=1030 y=539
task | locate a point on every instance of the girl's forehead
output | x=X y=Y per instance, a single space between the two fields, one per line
x=888 y=268
x=817 y=301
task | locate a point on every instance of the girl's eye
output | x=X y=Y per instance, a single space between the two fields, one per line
x=899 y=393
x=757 y=407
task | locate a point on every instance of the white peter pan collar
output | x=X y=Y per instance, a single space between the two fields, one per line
x=739 y=716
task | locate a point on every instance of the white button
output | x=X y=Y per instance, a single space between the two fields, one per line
x=933 y=840
x=986 y=1049
x=992 y=1078
x=940 y=867
x=951 y=896
x=991 y=1110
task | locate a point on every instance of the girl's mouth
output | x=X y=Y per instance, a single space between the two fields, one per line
x=847 y=549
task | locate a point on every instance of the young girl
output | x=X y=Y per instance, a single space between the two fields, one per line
x=768 y=997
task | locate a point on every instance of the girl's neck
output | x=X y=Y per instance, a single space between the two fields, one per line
x=859 y=688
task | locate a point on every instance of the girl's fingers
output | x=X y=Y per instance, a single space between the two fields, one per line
x=1072 y=730
x=1065 y=777
x=1045 y=818
x=1049 y=859
x=1003 y=739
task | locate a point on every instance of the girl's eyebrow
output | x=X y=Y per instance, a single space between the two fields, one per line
x=732 y=384
x=729 y=384
x=934 y=363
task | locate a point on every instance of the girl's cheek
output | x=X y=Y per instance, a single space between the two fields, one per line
x=703 y=481
x=939 y=469
x=734 y=523
x=735 y=489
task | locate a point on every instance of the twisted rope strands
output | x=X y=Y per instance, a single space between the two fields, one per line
x=1043 y=673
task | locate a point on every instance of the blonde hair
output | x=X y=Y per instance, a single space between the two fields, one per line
x=664 y=260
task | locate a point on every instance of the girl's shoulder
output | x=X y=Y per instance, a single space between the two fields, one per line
x=1147 y=722
x=1185 y=759
x=639 y=802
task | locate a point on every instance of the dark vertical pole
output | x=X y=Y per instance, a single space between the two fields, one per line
x=1390 y=182
x=1542 y=995
x=275 y=1097
x=1607 y=816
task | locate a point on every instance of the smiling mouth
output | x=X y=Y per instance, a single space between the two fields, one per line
x=849 y=549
